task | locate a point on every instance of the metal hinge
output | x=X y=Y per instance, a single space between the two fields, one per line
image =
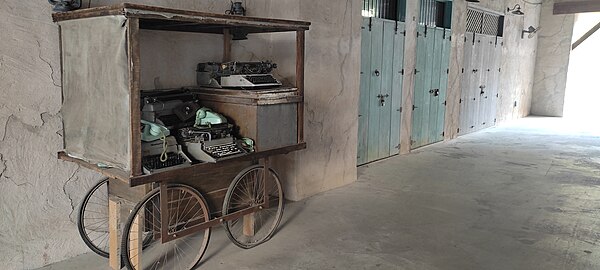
x=458 y=130
x=447 y=71
x=494 y=120
x=463 y=70
x=450 y=38
x=400 y=110
x=443 y=134
x=418 y=34
x=370 y=23
x=460 y=101
x=499 y=69
x=396 y=28
x=465 y=38
x=444 y=103
x=416 y=71
x=425 y=33
x=402 y=71
x=497 y=95
x=404 y=33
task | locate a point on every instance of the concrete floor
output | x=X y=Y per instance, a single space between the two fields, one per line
x=520 y=196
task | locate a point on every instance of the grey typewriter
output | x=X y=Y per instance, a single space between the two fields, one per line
x=170 y=108
x=210 y=139
x=245 y=75
x=155 y=158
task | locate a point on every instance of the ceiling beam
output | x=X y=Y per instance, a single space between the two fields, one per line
x=586 y=36
x=577 y=6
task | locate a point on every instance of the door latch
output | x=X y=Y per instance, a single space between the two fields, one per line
x=382 y=99
x=482 y=87
x=377 y=73
x=435 y=92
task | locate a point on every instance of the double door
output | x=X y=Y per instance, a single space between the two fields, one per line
x=480 y=77
x=431 y=80
x=380 y=89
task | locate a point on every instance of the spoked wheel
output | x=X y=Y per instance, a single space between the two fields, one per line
x=186 y=208
x=250 y=189
x=93 y=218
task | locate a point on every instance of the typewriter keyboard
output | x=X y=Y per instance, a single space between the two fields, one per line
x=261 y=79
x=153 y=162
x=223 y=150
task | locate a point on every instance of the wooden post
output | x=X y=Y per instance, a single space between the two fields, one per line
x=136 y=240
x=226 y=45
x=300 y=47
x=133 y=48
x=114 y=211
x=249 y=224
x=164 y=212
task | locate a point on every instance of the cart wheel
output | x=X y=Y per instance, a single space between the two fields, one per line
x=248 y=189
x=93 y=218
x=186 y=207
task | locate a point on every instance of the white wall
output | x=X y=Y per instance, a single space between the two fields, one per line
x=39 y=194
x=552 y=62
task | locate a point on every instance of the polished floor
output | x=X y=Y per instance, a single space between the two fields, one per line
x=525 y=195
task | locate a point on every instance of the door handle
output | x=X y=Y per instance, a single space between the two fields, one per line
x=382 y=99
x=435 y=92
x=376 y=72
x=475 y=70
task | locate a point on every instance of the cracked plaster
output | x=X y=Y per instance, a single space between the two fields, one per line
x=39 y=194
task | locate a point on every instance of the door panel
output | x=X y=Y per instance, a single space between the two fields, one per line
x=434 y=89
x=375 y=88
x=396 y=96
x=465 y=116
x=381 y=79
x=441 y=115
x=365 y=82
x=418 y=97
x=387 y=69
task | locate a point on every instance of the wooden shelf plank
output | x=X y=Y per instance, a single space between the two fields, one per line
x=175 y=174
x=160 y=18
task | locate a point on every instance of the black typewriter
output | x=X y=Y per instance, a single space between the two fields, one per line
x=153 y=154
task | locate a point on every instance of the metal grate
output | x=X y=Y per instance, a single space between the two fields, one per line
x=482 y=22
x=490 y=24
x=385 y=9
x=428 y=13
x=474 y=20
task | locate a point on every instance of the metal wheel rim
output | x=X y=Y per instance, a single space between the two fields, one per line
x=229 y=206
x=98 y=224
x=177 y=254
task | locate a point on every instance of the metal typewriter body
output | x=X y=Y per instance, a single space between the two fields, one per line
x=173 y=109
x=152 y=151
x=211 y=143
x=237 y=74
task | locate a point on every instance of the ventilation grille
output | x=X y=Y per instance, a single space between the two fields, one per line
x=474 y=20
x=490 y=24
x=481 y=22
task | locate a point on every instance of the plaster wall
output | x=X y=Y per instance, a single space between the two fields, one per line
x=39 y=194
x=552 y=62
x=518 y=62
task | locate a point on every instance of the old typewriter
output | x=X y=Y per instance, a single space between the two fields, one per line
x=170 y=108
x=244 y=75
x=210 y=139
x=162 y=154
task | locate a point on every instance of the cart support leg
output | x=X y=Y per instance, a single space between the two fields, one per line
x=136 y=241
x=249 y=225
x=114 y=257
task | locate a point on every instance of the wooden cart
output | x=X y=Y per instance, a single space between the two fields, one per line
x=101 y=73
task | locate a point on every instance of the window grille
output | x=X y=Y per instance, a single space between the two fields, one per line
x=482 y=22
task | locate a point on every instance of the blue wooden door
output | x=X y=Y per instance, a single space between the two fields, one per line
x=380 y=89
x=431 y=79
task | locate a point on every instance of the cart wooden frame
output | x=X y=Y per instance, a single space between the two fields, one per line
x=126 y=178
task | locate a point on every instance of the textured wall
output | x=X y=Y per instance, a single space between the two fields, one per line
x=38 y=193
x=518 y=62
x=554 y=48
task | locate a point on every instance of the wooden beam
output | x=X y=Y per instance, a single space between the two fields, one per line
x=578 y=6
x=300 y=51
x=114 y=257
x=585 y=36
x=226 y=45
